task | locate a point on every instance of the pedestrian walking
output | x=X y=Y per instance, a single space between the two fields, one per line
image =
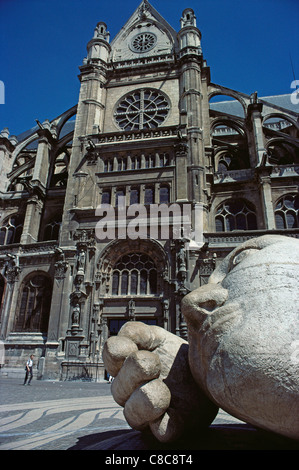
x=110 y=378
x=28 y=369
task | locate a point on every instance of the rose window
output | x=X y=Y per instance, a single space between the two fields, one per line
x=143 y=42
x=142 y=109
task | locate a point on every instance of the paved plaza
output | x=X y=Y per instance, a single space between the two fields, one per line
x=76 y=415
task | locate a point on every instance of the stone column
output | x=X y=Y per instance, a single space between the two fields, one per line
x=191 y=106
x=60 y=286
x=11 y=274
x=181 y=152
x=38 y=186
x=255 y=117
x=7 y=146
x=264 y=179
x=42 y=160
x=32 y=220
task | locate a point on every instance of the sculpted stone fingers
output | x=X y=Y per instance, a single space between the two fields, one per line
x=153 y=381
x=144 y=336
x=115 y=352
x=147 y=403
x=136 y=368
x=139 y=368
x=169 y=426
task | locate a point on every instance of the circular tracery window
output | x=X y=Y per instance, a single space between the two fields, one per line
x=142 y=109
x=143 y=42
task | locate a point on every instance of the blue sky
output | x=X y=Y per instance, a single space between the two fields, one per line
x=247 y=44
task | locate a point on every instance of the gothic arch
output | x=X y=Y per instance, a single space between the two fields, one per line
x=62 y=120
x=171 y=37
x=117 y=248
x=231 y=93
x=22 y=171
x=228 y=122
x=51 y=227
x=11 y=228
x=228 y=158
x=282 y=116
x=286 y=211
x=34 y=302
x=236 y=152
x=134 y=274
x=235 y=214
x=23 y=144
x=282 y=151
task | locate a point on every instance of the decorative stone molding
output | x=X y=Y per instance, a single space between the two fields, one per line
x=131 y=310
x=232 y=239
x=181 y=149
x=233 y=176
x=165 y=132
x=12 y=268
x=85 y=238
x=60 y=266
x=181 y=258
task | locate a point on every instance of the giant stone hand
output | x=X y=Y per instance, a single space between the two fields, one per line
x=153 y=381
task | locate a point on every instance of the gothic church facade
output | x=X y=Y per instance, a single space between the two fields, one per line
x=146 y=130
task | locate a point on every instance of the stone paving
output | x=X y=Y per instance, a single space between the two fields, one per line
x=82 y=415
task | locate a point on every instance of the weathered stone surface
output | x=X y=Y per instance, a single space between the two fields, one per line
x=139 y=367
x=116 y=351
x=172 y=402
x=147 y=403
x=243 y=327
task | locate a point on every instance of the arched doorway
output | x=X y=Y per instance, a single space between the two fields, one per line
x=132 y=284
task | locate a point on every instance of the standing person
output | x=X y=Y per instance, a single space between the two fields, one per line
x=28 y=369
x=110 y=379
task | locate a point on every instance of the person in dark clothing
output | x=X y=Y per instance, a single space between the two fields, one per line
x=28 y=369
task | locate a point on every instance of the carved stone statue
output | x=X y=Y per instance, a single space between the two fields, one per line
x=76 y=315
x=81 y=260
x=241 y=354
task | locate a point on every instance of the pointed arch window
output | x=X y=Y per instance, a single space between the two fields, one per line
x=11 y=229
x=287 y=212
x=34 y=305
x=236 y=214
x=52 y=229
x=134 y=274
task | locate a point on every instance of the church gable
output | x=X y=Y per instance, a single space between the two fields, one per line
x=145 y=34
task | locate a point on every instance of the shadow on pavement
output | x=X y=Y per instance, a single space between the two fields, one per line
x=217 y=437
